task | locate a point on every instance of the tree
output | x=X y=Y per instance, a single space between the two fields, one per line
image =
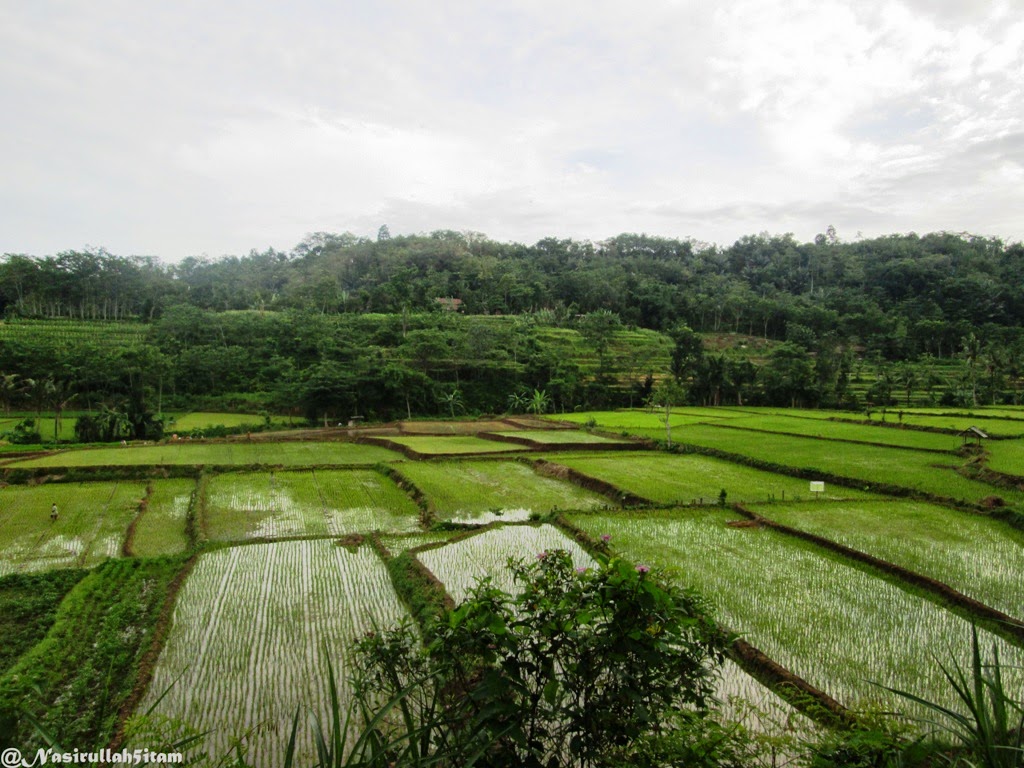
x=539 y=402
x=668 y=393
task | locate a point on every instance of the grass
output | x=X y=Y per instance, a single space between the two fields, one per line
x=239 y=452
x=322 y=502
x=979 y=556
x=251 y=635
x=644 y=419
x=481 y=491
x=93 y=519
x=161 y=530
x=686 y=479
x=429 y=444
x=197 y=420
x=835 y=625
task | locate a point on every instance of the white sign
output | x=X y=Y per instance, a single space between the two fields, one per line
x=817 y=486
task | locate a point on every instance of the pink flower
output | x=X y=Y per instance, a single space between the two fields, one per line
x=643 y=568
x=606 y=537
x=581 y=569
x=541 y=555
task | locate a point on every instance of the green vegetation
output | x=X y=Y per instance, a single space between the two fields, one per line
x=252 y=630
x=773 y=589
x=75 y=681
x=240 y=452
x=91 y=524
x=868 y=464
x=979 y=556
x=482 y=491
x=559 y=436
x=304 y=503
x=668 y=479
x=163 y=527
x=28 y=608
x=454 y=444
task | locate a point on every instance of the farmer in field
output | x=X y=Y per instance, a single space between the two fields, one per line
x=53 y=513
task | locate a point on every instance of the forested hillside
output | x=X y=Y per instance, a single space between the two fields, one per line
x=454 y=322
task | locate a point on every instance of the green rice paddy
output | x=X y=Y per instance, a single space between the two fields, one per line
x=454 y=444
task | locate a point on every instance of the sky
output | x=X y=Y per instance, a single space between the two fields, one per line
x=214 y=127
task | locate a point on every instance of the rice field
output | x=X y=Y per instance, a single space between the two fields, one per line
x=462 y=564
x=484 y=491
x=91 y=524
x=646 y=419
x=451 y=427
x=161 y=528
x=845 y=430
x=974 y=554
x=836 y=626
x=454 y=444
x=252 y=631
x=560 y=436
x=263 y=505
x=870 y=464
x=690 y=478
x=1006 y=456
x=227 y=453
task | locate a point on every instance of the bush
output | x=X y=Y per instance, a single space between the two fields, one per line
x=577 y=669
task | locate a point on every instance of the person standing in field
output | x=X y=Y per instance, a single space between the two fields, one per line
x=53 y=513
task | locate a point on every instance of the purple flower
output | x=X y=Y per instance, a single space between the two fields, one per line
x=606 y=537
x=643 y=568
x=581 y=569
x=541 y=555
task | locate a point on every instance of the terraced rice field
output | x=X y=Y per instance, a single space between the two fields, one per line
x=833 y=624
x=455 y=444
x=461 y=564
x=544 y=436
x=927 y=472
x=305 y=503
x=484 y=491
x=974 y=554
x=91 y=525
x=161 y=528
x=250 y=632
x=687 y=479
x=1006 y=456
x=227 y=453
x=845 y=430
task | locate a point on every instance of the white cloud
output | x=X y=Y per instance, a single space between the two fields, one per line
x=193 y=127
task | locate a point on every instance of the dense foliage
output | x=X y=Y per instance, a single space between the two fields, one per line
x=454 y=323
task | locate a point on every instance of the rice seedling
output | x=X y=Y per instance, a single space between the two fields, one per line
x=252 y=633
x=461 y=564
x=835 y=625
x=241 y=452
x=685 y=479
x=979 y=556
x=559 y=436
x=484 y=491
x=161 y=529
x=454 y=444
x=275 y=504
x=90 y=527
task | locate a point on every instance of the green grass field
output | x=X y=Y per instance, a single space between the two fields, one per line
x=91 y=524
x=687 y=479
x=1006 y=456
x=226 y=453
x=833 y=624
x=544 y=436
x=843 y=430
x=979 y=556
x=312 y=503
x=482 y=491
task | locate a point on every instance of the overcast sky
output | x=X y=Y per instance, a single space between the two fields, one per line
x=203 y=127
